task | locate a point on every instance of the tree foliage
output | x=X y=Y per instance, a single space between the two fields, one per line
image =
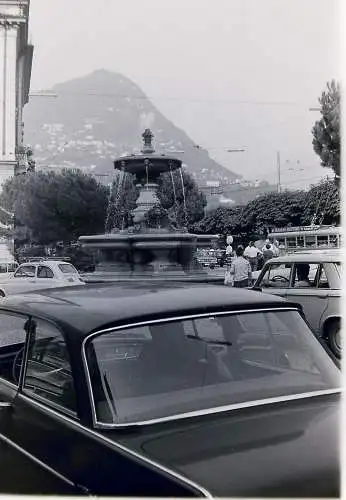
x=273 y=209
x=322 y=204
x=290 y=208
x=222 y=221
x=52 y=207
x=326 y=131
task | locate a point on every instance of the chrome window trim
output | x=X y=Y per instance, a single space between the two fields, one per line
x=10 y=384
x=221 y=409
x=59 y=408
x=197 y=413
x=37 y=460
x=4 y=404
x=117 y=446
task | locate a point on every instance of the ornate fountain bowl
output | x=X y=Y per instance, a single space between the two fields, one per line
x=147 y=167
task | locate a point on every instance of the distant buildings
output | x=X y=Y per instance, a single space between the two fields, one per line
x=15 y=72
x=238 y=192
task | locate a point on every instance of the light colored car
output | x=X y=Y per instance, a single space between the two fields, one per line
x=40 y=275
x=7 y=268
x=319 y=294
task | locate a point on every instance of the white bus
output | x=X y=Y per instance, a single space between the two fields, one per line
x=293 y=239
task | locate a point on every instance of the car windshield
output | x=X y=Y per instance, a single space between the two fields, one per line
x=67 y=269
x=166 y=369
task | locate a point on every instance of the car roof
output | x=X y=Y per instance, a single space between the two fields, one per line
x=45 y=263
x=313 y=256
x=92 y=307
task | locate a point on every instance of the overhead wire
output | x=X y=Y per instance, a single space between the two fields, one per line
x=91 y=93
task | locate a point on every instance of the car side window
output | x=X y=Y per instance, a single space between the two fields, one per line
x=25 y=272
x=277 y=276
x=323 y=280
x=3 y=268
x=13 y=331
x=48 y=373
x=305 y=275
x=44 y=272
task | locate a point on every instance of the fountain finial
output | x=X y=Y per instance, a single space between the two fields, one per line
x=148 y=140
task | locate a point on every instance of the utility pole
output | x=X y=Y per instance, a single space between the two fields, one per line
x=279 y=170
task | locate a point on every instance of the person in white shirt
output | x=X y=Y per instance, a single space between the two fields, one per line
x=252 y=253
x=229 y=250
x=241 y=270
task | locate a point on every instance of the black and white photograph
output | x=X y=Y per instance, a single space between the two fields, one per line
x=171 y=248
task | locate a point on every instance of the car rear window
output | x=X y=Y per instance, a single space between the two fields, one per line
x=166 y=369
x=67 y=269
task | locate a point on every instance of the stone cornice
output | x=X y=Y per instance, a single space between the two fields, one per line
x=11 y=22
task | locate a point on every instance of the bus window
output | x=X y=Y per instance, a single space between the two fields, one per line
x=310 y=241
x=291 y=242
x=322 y=241
x=300 y=241
x=333 y=240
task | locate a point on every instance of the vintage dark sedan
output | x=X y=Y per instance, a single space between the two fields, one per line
x=157 y=390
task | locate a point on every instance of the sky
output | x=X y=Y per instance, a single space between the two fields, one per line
x=231 y=73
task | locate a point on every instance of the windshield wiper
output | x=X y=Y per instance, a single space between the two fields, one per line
x=209 y=341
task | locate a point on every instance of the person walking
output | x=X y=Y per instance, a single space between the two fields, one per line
x=241 y=270
x=252 y=253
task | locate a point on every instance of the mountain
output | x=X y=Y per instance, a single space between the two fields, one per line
x=95 y=119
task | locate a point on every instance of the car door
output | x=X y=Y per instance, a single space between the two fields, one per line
x=46 y=278
x=276 y=278
x=23 y=279
x=313 y=297
x=20 y=474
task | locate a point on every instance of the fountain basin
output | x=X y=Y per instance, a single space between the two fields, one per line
x=157 y=254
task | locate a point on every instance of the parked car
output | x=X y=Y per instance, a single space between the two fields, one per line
x=39 y=275
x=165 y=390
x=319 y=296
x=7 y=268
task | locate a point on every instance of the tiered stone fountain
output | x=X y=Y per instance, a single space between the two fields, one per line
x=142 y=251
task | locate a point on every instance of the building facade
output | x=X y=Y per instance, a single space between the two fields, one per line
x=15 y=72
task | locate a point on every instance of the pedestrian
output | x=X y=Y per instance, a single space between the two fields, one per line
x=241 y=270
x=228 y=261
x=252 y=253
x=267 y=253
x=272 y=246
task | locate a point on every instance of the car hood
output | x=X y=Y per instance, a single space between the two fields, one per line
x=289 y=449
